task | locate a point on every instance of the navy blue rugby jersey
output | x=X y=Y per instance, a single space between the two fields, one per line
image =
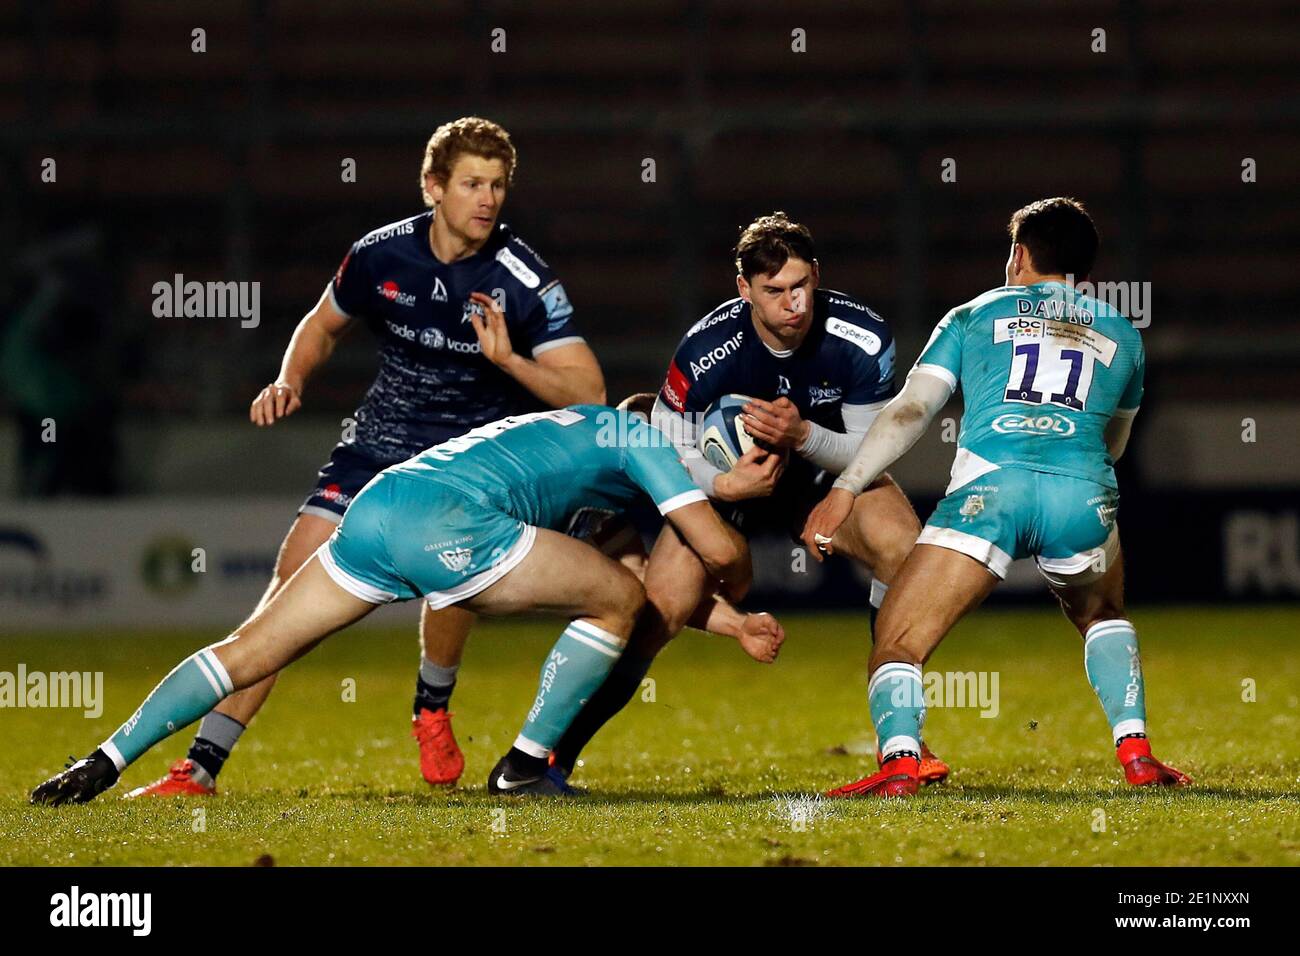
x=847 y=359
x=433 y=382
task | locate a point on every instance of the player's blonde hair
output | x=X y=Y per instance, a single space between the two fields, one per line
x=469 y=134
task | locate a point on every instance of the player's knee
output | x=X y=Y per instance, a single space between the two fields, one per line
x=666 y=612
x=888 y=541
x=896 y=547
x=624 y=597
x=1109 y=611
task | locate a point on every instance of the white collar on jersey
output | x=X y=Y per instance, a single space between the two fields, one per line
x=779 y=353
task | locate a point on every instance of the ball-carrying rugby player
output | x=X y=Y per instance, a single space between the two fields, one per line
x=818 y=366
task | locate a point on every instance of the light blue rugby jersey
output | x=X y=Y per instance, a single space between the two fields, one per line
x=543 y=467
x=1042 y=369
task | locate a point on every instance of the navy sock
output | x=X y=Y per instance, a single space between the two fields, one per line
x=432 y=696
x=525 y=764
x=433 y=686
x=217 y=736
x=209 y=756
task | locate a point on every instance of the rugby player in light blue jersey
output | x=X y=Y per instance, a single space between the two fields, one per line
x=1051 y=380
x=474 y=521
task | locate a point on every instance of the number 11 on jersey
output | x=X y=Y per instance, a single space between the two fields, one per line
x=1052 y=364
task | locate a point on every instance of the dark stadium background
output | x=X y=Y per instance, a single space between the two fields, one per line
x=225 y=165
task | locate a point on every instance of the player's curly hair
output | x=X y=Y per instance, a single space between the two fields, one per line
x=1059 y=234
x=469 y=134
x=767 y=242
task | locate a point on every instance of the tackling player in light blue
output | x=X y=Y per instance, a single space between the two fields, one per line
x=1051 y=379
x=472 y=521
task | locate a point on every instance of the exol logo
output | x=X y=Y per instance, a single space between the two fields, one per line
x=1053 y=424
x=456 y=559
x=714 y=356
x=389 y=290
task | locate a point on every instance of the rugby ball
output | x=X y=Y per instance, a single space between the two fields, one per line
x=723 y=439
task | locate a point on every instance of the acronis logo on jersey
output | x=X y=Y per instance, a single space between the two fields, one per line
x=715 y=355
x=387 y=232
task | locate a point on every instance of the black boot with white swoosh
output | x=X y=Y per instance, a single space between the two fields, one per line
x=506 y=779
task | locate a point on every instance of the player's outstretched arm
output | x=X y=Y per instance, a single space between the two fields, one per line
x=759 y=634
x=312 y=343
x=896 y=429
x=720 y=547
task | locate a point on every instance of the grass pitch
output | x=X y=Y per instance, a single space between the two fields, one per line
x=722 y=767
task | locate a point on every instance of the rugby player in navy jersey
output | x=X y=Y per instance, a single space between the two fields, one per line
x=472 y=326
x=818 y=366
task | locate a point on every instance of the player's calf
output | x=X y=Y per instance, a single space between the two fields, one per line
x=1093 y=601
x=1114 y=666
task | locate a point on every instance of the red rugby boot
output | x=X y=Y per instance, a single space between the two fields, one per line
x=1143 y=770
x=933 y=770
x=179 y=782
x=897 y=777
x=441 y=761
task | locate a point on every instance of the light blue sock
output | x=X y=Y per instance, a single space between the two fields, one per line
x=1114 y=666
x=192 y=689
x=897 y=702
x=574 y=669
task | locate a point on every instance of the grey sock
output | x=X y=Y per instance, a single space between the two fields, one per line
x=217 y=728
x=435 y=675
